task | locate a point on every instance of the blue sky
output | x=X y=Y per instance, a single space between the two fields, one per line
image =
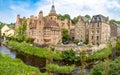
x=10 y=8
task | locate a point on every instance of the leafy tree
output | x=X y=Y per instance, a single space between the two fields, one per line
x=20 y=32
x=88 y=16
x=63 y=17
x=65 y=35
x=70 y=56
x=114 y=21
x=99 y=69
x=75 y=20
x=67 y=16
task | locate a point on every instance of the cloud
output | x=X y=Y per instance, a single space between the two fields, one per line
x=109 y=8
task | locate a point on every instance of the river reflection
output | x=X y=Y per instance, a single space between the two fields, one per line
x=5 y=50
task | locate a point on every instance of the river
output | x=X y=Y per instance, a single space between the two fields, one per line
x=33 y=60
x=5 y=50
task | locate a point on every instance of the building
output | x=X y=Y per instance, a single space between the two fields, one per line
x=115 y=30
x=44 y=30
x=81 y=29
x=7 y=31
x=99 y=30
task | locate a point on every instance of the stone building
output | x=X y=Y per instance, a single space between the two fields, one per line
x=115 y=30
x=81 y=29
x=44 y=30
x=99 y=29
x=7 y=31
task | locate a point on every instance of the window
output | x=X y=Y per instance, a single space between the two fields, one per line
x=98 y=24
x=97 y=31
x=92 y=37
x=97 y=37
x=92 y=32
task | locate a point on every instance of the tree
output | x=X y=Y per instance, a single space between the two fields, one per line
x=63 y=17
x=20 y=32
x=67 y=16
x=75 y=20
x=70 y=56
x=65 y=35
x=114 y=21
x=88 y=16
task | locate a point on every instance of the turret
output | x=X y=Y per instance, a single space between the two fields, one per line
x=18 y=16
x=40 y=14
x=52 y=14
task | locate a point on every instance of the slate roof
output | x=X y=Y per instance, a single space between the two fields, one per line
x=84 y=19
x=99 y=18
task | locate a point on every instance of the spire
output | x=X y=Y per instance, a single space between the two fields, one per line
x=53 y=8
x=52 y=2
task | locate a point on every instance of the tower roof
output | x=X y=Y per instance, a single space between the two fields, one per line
x=52 y=11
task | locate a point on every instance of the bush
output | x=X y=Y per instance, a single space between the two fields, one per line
x=70 y=56
x=76 y=41
x=29 y=40
x=60 y=69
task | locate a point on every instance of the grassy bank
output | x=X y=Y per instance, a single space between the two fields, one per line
x=40 y=52
x=9 y=66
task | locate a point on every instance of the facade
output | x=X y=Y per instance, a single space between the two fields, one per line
x=7 y=31
x=81 y=29
x=96 y=31
x=44 y=30
x=99 y=30
x=115 y=30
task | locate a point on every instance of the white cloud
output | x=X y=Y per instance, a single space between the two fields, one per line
x=72 y=7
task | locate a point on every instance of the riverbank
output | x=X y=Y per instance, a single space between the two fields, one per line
x=9 y=66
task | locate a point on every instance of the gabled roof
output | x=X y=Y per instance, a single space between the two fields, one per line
x=84 y=19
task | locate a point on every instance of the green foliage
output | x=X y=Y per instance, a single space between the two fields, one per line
x=60 y=69
x=63 y=17
x=114 y=21
x=117 y=46
x=29 y=40
x=99 y=55
x=67 y=16
x=88 y=16
x=40 y=52
x=75 y=20
x=114 y=68
x=85 y=42
x=20 y=32
x=76 y=41
x=65 y=35
x=9 y=66
x=70 y=56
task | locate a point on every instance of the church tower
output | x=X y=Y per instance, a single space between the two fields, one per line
x=52 y=14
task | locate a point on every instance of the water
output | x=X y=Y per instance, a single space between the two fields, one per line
x=5 y=50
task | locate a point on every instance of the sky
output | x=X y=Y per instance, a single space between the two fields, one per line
x=10 y=8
